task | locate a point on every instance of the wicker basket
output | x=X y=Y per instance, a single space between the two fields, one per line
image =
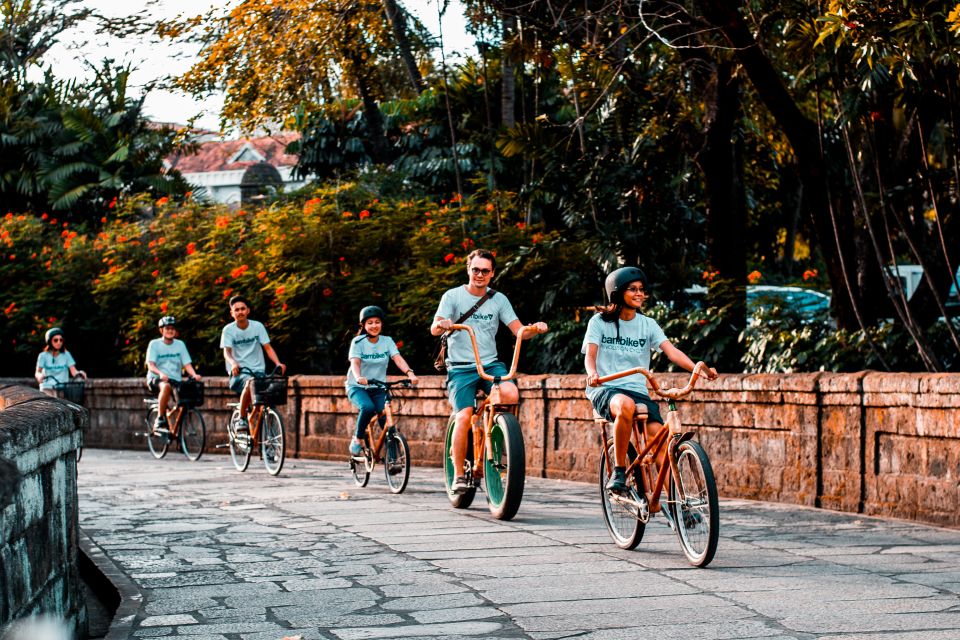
x=190 y=393
x=71 y=391
x=270 y=390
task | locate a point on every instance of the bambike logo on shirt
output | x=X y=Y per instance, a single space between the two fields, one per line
x=620 y=341
x=374 y=356
x=239 y=341
x=168 y=356
x=482 y=317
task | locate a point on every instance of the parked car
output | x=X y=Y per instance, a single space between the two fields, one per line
x=809 y=303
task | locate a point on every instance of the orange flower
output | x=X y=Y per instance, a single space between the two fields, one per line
x=113 y=203
x=239 y=271
x=280 y=290
x=364 y=214
x=447 y=258
x=155 y=273
x=347 y=214
x=521 y=225
x=222 y=222
x=754 y=277
x=163 y=306
x=10 y=308
x=810 y=273
x=191 y=248
x=399 y=344
x=226 y=293
x=162 y=201
x=261 y=275
x=489 y=207
x=284 y=307
x=44 y=216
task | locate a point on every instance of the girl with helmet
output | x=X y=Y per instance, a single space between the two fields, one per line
x=167 y=358
x=55 y=365
x=619 y=338
x=370 y=354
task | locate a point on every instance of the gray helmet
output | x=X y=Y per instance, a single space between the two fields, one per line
x=618 y=280
x=371 y=312
x=166 y=321
x=51 y=332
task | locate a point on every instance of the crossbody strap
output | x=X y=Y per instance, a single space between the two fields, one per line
x=489 y=294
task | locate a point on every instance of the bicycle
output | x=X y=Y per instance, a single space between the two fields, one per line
x=266 y=426
x=396 y=465
x=692 y=509
x=498 y=459
x=186 y=425
x=71 y=391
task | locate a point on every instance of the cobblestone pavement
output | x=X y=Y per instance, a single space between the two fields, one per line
x=220 y=554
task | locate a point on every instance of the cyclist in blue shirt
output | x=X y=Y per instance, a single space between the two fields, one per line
x=167 y=358
x=244 y=342
x=462 y=376
x=55 y=364
x=621 y=338
x=369 y=356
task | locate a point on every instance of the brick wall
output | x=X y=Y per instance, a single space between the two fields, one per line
x=38 y=508
x=880 y=444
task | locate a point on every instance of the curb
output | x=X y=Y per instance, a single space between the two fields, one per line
x=128 y=595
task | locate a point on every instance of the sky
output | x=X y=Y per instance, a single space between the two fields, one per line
x=156 y=60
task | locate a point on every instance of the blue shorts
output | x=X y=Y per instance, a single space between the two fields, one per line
x=462 y=384
x=601 y=403
x=154 y=385
x=238 y=382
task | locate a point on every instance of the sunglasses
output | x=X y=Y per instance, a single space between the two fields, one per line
x=477 y=271
x=636 y=290
x=56 y=339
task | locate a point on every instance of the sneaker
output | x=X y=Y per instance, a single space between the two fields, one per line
x=241 y=426
x=160 y=425
x=618 y=481
x=459 y=485
x=355 y=448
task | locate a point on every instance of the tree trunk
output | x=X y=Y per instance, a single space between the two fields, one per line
x=398 y=21
x=508 y=78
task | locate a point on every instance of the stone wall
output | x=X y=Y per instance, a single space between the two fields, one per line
x=879 y=444
x=38 y=507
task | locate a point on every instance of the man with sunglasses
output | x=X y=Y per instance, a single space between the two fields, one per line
x=462 y=376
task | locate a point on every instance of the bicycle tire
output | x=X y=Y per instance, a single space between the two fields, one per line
x=239 y=452
x=272 y=442
x=623 y=522
x=193 y=434
x=157 y=444
x=400 y=465
x=457 y=500
x=506 y=468
x=697 y=511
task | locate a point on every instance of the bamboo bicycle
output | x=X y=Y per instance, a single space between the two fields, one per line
x=692 y=509
x=186 y=424
x=396 y=458
x=498 y=459
x=266 y=427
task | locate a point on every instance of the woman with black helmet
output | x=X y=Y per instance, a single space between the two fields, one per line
x=370 y=354
x=621 y=338
x=55 y=365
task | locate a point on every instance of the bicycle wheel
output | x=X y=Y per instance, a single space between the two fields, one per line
x=506 y=469
x=396 y=463
x=193 y=434
x=272 y=446
x=240 y=446
x=622 y=520
x=465 y=499
x=696 y=505
x=157 y=443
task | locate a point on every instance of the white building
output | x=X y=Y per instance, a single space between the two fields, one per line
x=221 y=167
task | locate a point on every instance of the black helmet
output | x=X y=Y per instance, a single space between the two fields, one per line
x=618 y=280
x=166 y=321
x=51 y=332
x=371 y=312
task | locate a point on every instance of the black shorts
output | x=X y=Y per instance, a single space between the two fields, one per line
x=601 y=403
x=154 y=385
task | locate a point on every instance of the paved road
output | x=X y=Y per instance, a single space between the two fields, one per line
x=219 y=554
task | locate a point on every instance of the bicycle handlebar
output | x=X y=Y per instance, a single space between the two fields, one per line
x=476 y=351
x=670 y=394
x=259 y=374
x=387 y=385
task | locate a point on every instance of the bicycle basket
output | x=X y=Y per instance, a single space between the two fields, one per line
x=71 y=391
x=190 y=393
x=270 y=390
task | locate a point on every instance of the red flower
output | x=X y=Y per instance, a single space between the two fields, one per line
x=327 y=292
x=284 y=307
x=113 y=203
x=163 y=306
x=489 y=207
x=447 y=258
x=191 y=247
x=155 y=273
x=44 y=216
x=280 y=290
x=399 y=344
x=162 y=201
x=262 y=275
x=364 y=214
x=239 y=271
x=754 y=277
x=226 y=293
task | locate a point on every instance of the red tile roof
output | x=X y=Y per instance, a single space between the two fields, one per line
x=216 y=155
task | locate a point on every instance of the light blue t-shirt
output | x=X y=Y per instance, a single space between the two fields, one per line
x=638 y=338
x=169 y=358
x=485 y=322
x=56 y=369
x=247 y=344
x=374 y=358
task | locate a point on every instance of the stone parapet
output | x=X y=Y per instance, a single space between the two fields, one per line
x=874 y=443
x=38 y=507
